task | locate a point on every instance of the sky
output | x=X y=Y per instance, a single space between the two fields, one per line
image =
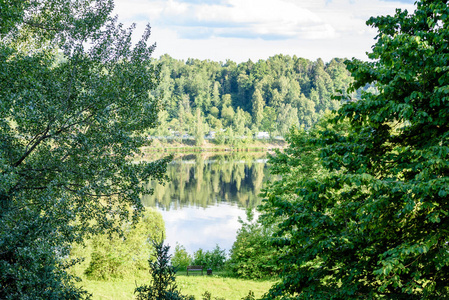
x=240 y=30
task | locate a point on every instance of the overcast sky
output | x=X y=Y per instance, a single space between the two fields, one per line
x=257 y=29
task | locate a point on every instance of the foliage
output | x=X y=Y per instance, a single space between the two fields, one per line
x=29 y=268
x=71 y=119
x=162 y=285
x=369 y=219
x=250 y=296
x=199 y=129
x=214 y=259
x=208 y=296
x=269 y=95
x=251 y=255
x=220 y=137
x=181 y=258
x=116 y=256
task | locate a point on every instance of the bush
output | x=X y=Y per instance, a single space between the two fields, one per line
x=181 y=258
x=32 y=261
x=117 y=256
x=251 y=255
x=250 y=296
x=214 y=259
x=208 y=296
x=220 y=137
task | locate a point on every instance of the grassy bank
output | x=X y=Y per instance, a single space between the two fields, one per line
x=196 y=285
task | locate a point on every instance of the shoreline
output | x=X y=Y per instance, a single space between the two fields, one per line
x=188 y=146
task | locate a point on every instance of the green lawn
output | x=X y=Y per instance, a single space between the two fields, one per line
x=196 y=285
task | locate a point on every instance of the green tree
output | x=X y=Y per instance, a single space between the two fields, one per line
x=214 y=259
x=163 y=278
x=306 y=111
x=373 y=221
x=71 y=119
x=241 y=120
x=245 y=91
x=227 y=114
x=269 y=120
x=276 y=99
x=198 y=133
x=163 y=126
x=216 y=95
x=287 y=117
x=117 y=256
x=258 y=105
x=251 y=255
x=181 y=258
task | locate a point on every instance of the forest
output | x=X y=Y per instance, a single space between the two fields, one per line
x=238 y=100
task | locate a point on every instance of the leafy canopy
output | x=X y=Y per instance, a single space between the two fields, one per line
x=371 y=220
x=74 y=102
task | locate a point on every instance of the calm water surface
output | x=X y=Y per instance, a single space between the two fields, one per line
x=206 y=196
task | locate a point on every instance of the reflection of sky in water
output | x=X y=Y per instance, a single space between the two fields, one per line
x=196 y=227
x=205 y=197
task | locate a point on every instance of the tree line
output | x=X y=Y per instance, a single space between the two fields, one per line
x=269 y=95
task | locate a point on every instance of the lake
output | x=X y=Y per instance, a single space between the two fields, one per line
x=206 y=196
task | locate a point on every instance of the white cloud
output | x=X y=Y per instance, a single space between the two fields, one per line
x=260 y=12
x=266 y=19
x=257 y=29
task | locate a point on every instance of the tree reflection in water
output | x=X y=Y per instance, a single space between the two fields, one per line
x=206 y=196
x=200 y=180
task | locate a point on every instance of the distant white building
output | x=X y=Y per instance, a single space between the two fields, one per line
x=262 y=135
x=210 y=135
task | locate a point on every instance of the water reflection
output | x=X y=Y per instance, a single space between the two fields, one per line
x=196 y=227
x=203 y=180
x=206 y=196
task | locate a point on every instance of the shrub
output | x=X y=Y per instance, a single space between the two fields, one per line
x=250 y=296
x=251 y=255
x=181 y=258
x=208 y=296
x=214 y=259
x=115 y=256
x=32 y=262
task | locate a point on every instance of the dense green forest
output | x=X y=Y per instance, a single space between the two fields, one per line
x=240 y=99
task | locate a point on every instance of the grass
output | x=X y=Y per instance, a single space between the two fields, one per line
x=223 y=287
x=218 y=285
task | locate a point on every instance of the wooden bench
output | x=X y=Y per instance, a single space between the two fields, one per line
x=194 y=268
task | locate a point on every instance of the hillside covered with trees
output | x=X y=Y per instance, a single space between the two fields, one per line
x=236 y=100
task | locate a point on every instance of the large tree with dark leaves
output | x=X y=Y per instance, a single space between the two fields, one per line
x=372 y=221
x=74 y=102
